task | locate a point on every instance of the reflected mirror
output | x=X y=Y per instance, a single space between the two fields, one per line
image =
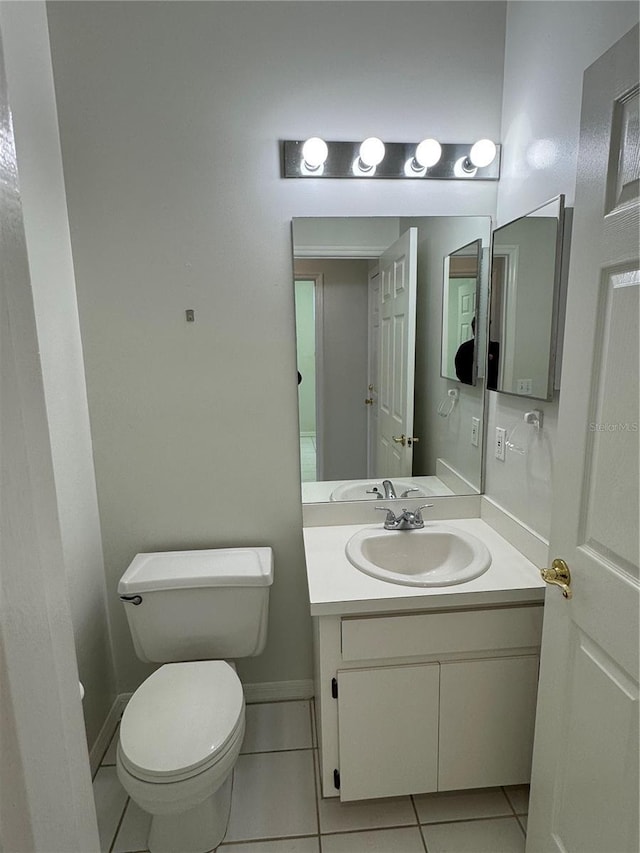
x=525 y=293
x=373 y=405
x=461 y=274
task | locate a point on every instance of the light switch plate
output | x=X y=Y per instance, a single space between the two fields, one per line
x=475 y=431
x=501 y=440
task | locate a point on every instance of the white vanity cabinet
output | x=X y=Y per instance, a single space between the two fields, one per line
x=436 y=700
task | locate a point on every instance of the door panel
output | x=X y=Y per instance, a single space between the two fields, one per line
x=398 y=275
x=384 y=713
x=584 y=794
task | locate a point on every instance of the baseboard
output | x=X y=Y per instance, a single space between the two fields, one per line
x=278 y=691
x=269 y=691
x=106 y=732
x=454 y=480
x=521 y=536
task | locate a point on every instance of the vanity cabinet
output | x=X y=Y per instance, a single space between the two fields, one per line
x=432 y=701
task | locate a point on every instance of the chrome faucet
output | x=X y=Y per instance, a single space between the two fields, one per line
x=389 y=491
x=407 y=520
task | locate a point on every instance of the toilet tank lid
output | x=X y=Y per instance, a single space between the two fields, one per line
x=221 y=567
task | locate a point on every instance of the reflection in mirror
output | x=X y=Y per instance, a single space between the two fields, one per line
x=461 y=272
x=376 y=417
x=525 y=292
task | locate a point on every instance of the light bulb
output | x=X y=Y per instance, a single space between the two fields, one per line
x=372 y=151
x=428 y=153
x=482 y=153
x=314 y=152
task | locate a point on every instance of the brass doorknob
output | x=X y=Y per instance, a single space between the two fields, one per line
x=402 y=439
x=558 y=575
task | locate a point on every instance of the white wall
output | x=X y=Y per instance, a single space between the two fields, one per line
x=343 y=419
x=170 y=116
x=548 y=48
x=443 y=438
x=46 y=800
x=30 y=83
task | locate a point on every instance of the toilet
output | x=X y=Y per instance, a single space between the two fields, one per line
x=182 y=730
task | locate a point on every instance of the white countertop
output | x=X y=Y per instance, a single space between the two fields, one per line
x=320 y=492
x=338 y=588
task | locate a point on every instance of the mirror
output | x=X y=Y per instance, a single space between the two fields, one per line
x=525 y=293
x=459 y=353
x=373 y=404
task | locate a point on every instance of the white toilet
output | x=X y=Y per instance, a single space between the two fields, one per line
x=182 y=730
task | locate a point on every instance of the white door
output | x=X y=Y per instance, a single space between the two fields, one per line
x=398 y=285
x=584 y=796
x=371 y=399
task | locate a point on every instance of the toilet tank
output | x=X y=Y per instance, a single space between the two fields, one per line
x=198 y=605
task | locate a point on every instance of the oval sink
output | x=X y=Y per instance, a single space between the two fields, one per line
x=357 y=490
x=436 y=555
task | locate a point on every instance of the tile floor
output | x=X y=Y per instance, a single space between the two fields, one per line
x=276 y=807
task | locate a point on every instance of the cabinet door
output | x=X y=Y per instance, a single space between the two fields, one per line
x=487 y=715
x=388 y=731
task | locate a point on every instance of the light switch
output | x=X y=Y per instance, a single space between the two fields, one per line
x=501 y=440
x=475 y=431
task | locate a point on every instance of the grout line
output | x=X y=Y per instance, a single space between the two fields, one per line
x=415 y=811
x=316 y=779
x=468 y=819
x=115 y=834
x=273 y=751
x=262 y=840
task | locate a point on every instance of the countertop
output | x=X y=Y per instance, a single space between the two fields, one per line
x=338 y=588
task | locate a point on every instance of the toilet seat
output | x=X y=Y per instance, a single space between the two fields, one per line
x=184 y=719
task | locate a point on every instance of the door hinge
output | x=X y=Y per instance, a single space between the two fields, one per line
x=336 y=779
x=334 y=688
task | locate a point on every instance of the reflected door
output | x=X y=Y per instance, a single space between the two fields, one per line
x=398 y=284
x=584 y=796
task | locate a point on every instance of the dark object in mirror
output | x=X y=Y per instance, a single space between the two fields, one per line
x=525 y=292
x=459 y=306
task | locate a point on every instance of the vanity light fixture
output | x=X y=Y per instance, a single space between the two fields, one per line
x=373 y=158
x=427 y=154
x=483 y=153
x=314 y=154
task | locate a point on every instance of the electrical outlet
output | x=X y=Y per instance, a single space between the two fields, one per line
x=475 y=431
x=524 y=386
x=501 y=440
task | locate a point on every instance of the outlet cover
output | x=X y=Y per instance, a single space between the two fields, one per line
x=475 y=431
x=501 y=440
x=524 y=386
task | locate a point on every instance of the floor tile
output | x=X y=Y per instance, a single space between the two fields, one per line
x=273 y=796
x=519 y=798
x=110 y=755
x=110 y=798
x=502 y=835
x=336 y=816
x=461 y=805
x=277 y=725
x=380 y=841
x=134 y=830
x=282 y=845
x=368 y=814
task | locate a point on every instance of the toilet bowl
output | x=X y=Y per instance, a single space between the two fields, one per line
x=182 y=730
x=180 y=737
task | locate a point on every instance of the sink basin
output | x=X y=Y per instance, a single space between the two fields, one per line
x=357 y=490
x=436 y=555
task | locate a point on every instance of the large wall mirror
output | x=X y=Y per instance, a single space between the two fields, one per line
x=459 y=302
x=373 y=405
x=525 y=295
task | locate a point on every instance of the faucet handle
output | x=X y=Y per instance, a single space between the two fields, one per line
x=390 y=513
x=418 y=512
